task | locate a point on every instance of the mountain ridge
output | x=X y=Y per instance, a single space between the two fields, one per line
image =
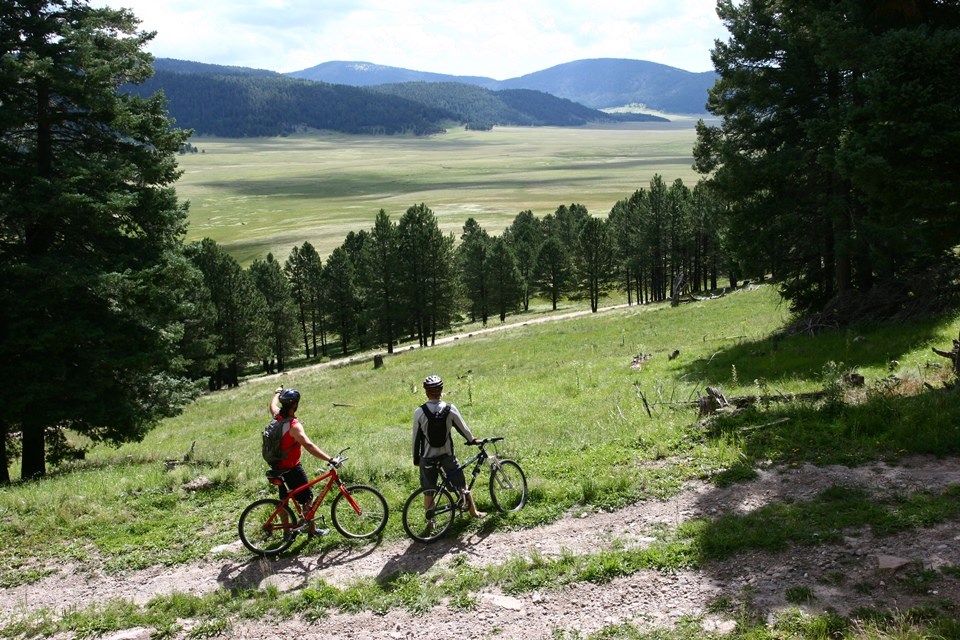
x=598 y=83
x=242 y=102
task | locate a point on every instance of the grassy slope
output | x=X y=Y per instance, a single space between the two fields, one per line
x=562 y=393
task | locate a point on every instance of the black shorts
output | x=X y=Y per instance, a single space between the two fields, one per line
x=294 y=477
x=429 y=472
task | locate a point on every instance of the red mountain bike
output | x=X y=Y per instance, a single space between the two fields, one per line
x=269 y=526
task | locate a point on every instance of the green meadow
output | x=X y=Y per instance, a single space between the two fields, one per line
x=260 y=195
x=591 y=432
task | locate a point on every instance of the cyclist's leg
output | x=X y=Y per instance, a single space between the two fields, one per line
x=429 y=473
x=293 y=478
x=459 y=481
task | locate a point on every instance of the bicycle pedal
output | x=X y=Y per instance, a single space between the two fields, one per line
x=304 y=525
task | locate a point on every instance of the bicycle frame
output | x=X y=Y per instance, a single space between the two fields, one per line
x=332 y=477
x=479 y=458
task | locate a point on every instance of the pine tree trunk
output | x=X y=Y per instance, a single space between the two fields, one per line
x=4 y=461
x=34 y=460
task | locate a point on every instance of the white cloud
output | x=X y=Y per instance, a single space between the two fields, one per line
x=496 y=38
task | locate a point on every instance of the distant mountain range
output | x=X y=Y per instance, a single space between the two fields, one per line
x=600 y=83
x=356 y=97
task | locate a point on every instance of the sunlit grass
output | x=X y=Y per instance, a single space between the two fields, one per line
x=255 y=196
x=591 y=432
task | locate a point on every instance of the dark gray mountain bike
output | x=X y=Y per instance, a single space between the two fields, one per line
x=508 y=491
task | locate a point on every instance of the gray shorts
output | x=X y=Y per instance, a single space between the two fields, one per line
x=429 y=472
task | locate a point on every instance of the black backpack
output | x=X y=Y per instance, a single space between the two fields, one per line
x=436 y=425
x=272 y=434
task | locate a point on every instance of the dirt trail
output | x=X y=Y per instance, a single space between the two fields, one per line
x=861 y=572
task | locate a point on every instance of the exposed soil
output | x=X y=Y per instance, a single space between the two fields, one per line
x=863 y=571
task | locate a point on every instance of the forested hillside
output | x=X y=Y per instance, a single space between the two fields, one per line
x=236 y=106
x=234 y=102
x=837 y=152
x=478 y=106
x=188 y=66
x=599 y=83
x=610 y=82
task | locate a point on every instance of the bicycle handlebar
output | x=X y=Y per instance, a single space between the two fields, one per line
x=338 y=459
x=480 y=443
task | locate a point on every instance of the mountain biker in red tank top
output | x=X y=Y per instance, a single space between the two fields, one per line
x=284 y=404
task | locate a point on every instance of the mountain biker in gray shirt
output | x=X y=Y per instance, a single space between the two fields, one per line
x=429 y=457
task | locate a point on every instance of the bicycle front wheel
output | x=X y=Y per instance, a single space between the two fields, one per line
x=367 y=520
x=428 y=514
x=265 y=530
x=508 y=486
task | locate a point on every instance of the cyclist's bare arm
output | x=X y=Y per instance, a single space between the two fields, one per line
x=275 y=403
x=298 y=434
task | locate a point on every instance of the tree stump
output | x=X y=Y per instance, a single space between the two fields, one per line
x=712 y=402
x=953 y=356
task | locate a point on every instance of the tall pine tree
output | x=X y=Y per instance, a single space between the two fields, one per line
x=91 y=272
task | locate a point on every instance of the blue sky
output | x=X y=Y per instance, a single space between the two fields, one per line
x=493 y=38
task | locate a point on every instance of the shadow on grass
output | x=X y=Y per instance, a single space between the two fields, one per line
x=822 y=520
x=794 y=507
x=880 y=427
x=780 y=358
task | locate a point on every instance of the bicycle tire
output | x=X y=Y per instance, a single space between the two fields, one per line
x=508 y=486
x=415 y=521
x=372 y=517
x=259 y=534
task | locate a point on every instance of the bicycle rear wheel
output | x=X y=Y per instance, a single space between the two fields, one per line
x=425 y=525
x=371 y=519
x=262 y=532
x=508 y=486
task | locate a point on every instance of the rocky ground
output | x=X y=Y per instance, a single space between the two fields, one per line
x=863 y=571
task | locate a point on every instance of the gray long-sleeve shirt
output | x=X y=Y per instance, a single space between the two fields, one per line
x=454 y=420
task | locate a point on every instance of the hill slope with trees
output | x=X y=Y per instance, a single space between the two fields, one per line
x=236 y=106
x=843 y=122
x=476 y=105
x=238 y=102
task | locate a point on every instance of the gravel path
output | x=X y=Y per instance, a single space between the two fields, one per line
x=860 y=572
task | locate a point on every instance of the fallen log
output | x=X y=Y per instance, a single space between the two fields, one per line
x=715 y=401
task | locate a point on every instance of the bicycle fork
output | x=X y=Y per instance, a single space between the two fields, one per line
x=501 y=479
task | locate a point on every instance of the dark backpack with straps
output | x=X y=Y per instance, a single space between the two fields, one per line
x=272 y=435
x=436 y=425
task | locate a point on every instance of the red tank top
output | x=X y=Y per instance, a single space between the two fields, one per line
x=290 y=447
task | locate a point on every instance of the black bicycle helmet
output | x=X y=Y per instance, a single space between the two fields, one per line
x=289 y=397
x=432 y=382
